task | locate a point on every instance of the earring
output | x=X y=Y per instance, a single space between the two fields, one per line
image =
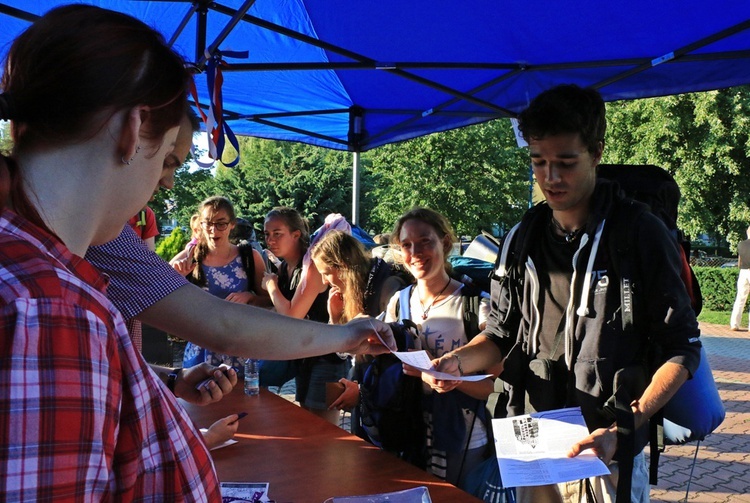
x=137 y=149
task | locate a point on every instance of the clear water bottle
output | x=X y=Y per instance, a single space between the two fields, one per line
x=252 y=377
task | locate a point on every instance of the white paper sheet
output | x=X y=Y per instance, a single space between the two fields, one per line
x=231 y=441
x=532 y=449
x=421 y=361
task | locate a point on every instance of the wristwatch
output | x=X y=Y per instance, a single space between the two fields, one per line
x=172 y=379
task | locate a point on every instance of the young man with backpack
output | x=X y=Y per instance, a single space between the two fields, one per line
x=558 y=302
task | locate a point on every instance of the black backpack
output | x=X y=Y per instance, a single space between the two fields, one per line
x=390 y=402
x=390 y=405
x=657 y=189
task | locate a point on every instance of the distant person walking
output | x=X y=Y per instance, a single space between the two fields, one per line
x=743 y=282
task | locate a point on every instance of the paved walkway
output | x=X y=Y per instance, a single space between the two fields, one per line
x=722 y=470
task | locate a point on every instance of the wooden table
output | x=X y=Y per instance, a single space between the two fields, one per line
x=306 y=459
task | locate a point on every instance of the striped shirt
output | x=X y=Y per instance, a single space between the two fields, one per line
x=82 y=416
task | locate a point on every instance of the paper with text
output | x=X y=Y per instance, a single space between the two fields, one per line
x=532 y=449
x=254 y=492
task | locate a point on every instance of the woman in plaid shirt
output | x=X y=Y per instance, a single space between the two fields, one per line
x=95 y=98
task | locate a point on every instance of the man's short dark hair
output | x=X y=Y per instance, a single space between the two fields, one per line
x=566 y=108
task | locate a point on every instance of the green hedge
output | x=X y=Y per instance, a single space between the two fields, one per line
x=718 y=286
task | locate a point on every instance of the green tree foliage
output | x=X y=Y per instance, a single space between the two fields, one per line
x=6 y=144
x=172 y=244
x=476 y=176
x=190 y=188
x=703 y=139
x=313 y=180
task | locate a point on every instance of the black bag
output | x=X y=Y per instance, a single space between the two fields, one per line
x=390 y=402
x=657 y=189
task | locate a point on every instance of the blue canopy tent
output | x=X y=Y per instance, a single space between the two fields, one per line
x=357 y=75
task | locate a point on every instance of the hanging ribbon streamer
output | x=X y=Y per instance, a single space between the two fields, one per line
x=216 y=128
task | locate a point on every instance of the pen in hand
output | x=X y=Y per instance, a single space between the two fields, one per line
x=239 y=416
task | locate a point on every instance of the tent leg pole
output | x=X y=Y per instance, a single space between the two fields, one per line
x=355 y=189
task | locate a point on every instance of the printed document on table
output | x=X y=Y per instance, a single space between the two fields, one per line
x=421 y=361
x=532 y=449
x=251 y=492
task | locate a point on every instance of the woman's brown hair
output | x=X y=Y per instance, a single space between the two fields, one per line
x=346 y=254
x=78 y=65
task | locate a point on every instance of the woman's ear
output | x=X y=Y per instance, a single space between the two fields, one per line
x=129 y=142
x=296 y=234
x=447 y=245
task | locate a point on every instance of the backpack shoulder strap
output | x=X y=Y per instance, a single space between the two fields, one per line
x=621 y=232
x=248 y=263
x=472 y=298
x=403 y=307
x=516 y=242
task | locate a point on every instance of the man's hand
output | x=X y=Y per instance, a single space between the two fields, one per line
x=602 y=441
x=214 y=390
x=364 y=332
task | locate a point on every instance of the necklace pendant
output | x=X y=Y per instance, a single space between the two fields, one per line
x=424 y=316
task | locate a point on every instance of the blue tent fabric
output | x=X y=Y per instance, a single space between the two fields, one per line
x=357 y=75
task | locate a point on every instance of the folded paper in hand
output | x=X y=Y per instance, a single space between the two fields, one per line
x=532 y=449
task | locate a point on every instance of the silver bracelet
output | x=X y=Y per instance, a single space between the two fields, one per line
x=458 y=359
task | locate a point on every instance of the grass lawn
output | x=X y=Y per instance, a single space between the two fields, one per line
x=719 y=317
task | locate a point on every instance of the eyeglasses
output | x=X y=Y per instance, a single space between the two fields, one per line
x=219 y=226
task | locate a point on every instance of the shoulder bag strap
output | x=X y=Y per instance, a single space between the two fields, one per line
x=403 y=308
x=248 y=263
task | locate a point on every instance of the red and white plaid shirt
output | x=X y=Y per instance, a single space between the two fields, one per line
x=82 y=416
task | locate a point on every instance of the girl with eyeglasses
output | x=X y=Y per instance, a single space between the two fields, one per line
x=226 y=270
